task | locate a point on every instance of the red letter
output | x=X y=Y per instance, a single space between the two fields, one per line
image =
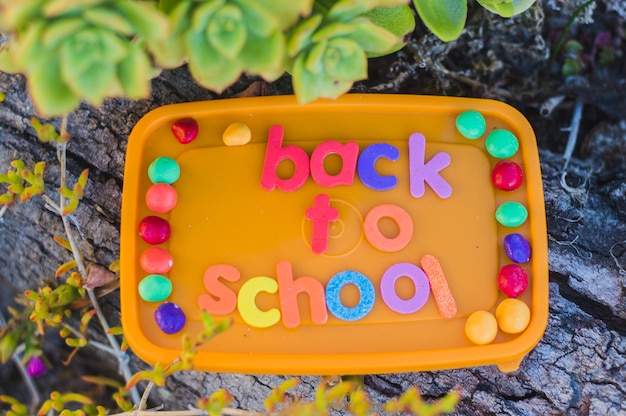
x=321 y=214
x=348 y=152
x=274 y=154
x=288 y=290
x=221 y=300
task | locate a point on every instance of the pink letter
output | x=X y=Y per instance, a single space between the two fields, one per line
x=274 y=154
x=321 y=214
x=348 y=152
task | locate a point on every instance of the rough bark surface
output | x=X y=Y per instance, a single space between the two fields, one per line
x=578 y=368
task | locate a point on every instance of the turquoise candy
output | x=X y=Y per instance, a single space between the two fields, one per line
x=155 y=288
x=471 y=124
x=511 y=214
x=501 y=144
x=164 y=170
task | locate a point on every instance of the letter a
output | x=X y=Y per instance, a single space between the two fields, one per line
x=422 y=172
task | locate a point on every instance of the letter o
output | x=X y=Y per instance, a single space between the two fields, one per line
x=366 y=291
x=388 y=288
x=377 y=239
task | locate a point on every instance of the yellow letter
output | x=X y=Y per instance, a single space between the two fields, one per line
x=246 y=302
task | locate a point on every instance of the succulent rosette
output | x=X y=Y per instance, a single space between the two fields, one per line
x=72 y=50
x=329 y=50
x=220 y=39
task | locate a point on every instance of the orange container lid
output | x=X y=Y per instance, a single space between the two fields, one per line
x=345 y=237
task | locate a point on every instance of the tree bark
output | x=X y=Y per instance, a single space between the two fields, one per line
x=577 y=368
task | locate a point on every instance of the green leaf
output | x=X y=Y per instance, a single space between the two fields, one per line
x=286 y=12
x=203 y=14
x=445 y=18
x=309 y=86
x=18 y=13
x=332 y=30
x=133 y=73
x=202 y=56
x=51 y=95
x=264 y=56
x=314 y=58
x=345 y=61
x=146 y=19
x=109 y=19
x=373 y=39
x=398 y=20
x=300 y=37
x=93 y=84
x=53 y=8
x=8 y=345
x=60 y=30
x=506 y=8
x=258 y=20
x=227 y=31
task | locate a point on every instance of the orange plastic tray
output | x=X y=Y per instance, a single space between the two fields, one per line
x=225 y=216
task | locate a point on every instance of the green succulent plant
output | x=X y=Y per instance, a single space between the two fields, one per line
x=329 y=50
x=74 y=50
x=446 y=18
x=220 y=39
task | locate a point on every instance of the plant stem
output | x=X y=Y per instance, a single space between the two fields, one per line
x=570 y=22
x=62 y=153
x=228 y=411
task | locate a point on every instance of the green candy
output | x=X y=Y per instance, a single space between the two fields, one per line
x=511 y=214
x=501 y=144
x=471 y=124
x=155 y=288
x=164 y=170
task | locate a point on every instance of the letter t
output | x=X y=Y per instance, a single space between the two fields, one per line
x=321 y=214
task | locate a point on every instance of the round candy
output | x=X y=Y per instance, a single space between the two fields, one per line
x=481 y=327
x=237 y=134
x=501 y=144
x=154 y=230
x=517 y=248
x=513 y=316
x=170 y=318
x=161 y=198
x=155 y=288
x=164 y=170
x=156 y=260
x=471 y=124
x=185 y=130
x=511 y=214
x=512 y=280
x=507 y=176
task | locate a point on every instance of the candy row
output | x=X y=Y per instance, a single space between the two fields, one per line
x=512 y=315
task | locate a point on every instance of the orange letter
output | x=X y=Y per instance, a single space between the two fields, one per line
x=288 y=292
x=221 y=300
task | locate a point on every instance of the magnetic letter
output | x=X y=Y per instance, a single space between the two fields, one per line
x=275 y=152
x=221 y=300
x=422 y=172
x=348 y=152
x=367 y=166
x=288 y=290
x=439 y=286
x=366 y=291
x=321 y=214
x=246 y=302
x=388 y=288
x=377 y=239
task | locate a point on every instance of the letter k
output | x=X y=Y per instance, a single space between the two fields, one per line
x=422 y=172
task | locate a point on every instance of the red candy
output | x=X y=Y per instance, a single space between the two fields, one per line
x=156 y=260
x=154 y=230
x=161 y=198
x=512 y=280
x=185 y=130
x=507 y=175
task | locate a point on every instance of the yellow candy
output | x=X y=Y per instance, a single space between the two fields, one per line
x=513 y=316
x=237 y=134
x=481 y=327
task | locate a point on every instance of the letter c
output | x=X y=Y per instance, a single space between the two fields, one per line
x=246 y=302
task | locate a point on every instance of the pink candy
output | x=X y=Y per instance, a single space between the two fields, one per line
x=154 y=230
x=156 y=260
x=512 y=280
x=507 y=176
x=161 y=198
